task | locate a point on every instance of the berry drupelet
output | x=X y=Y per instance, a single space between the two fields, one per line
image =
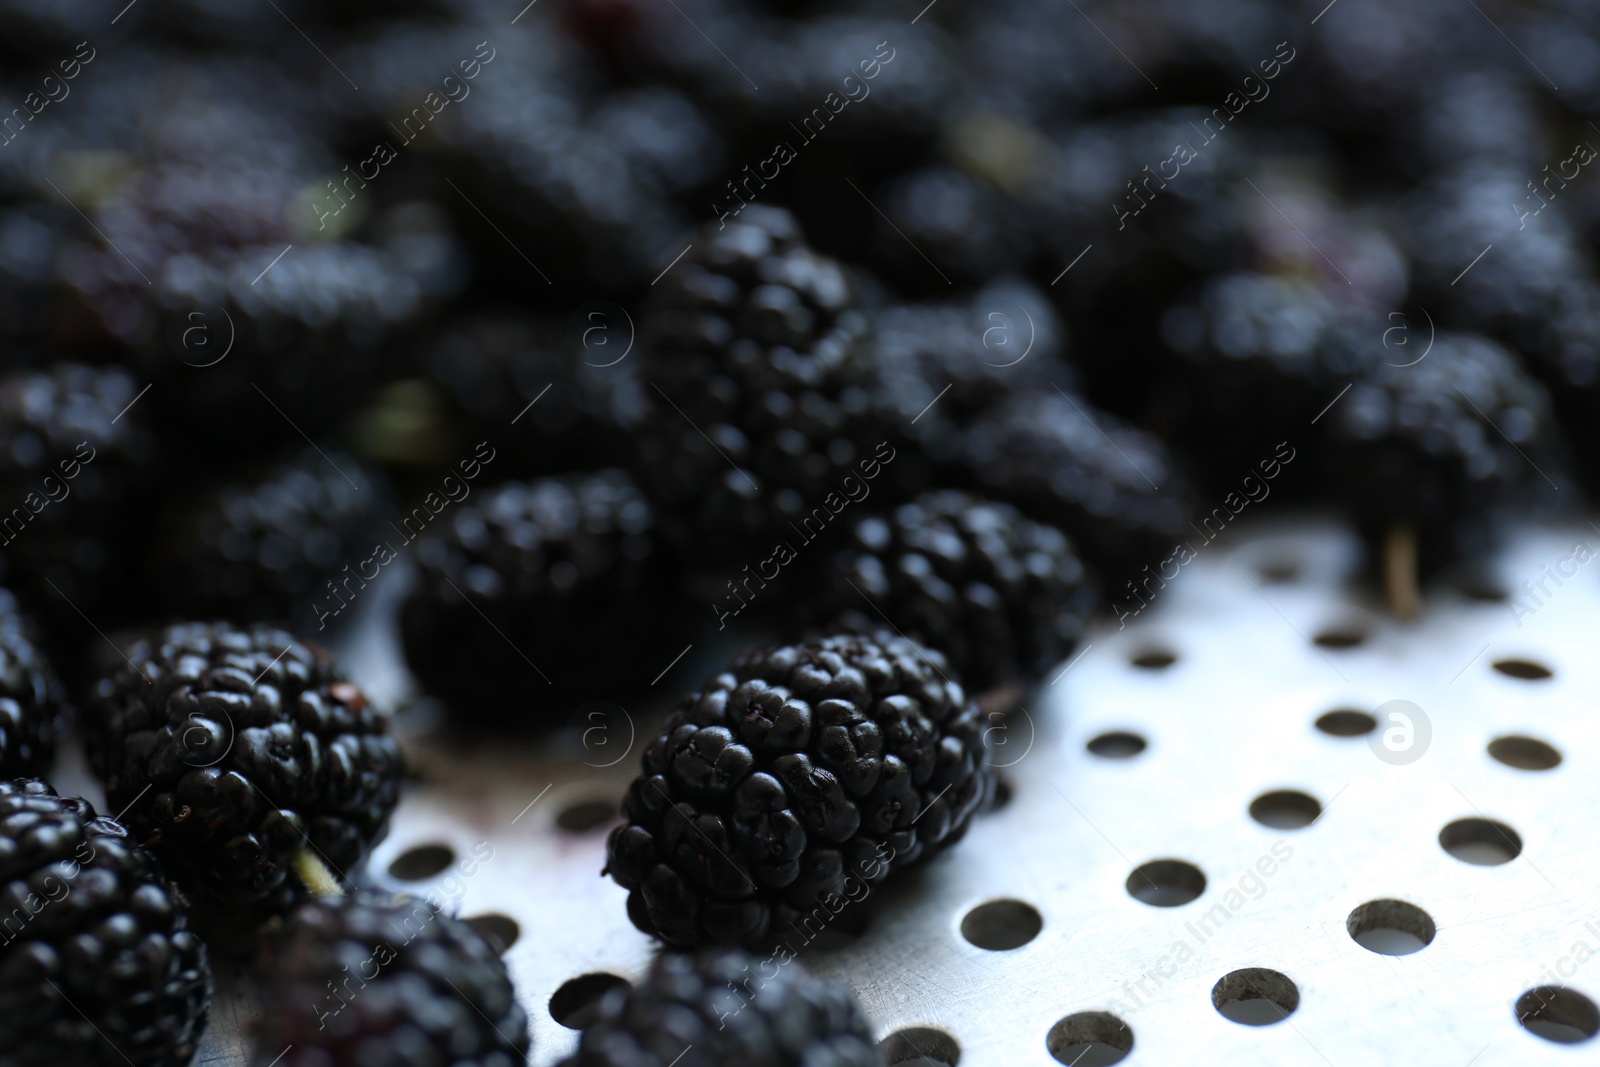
x=517 y=608
x=234 y=751
x=719 y=1007
x=103 y=968
x=1001 y=596
x=761 y=400
x=373 y=979
x=32 y=699
x=799 y=771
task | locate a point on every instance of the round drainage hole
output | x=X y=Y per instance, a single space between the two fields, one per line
x=501 y=931
x=1524 y=753
x=1285 y=809
x=1118 y=744
x=1089 y=1039
x=1527 y=670
x=1481 y=842
x=586 y=815
x=1000 y=925
x=1481 y=585
x=1558 y=1014
x=576 y=1004
x=422 y=862
x=1391 y=927
x=1255 y=996
x=1166 y=883
x=1347 y=637
x=1279 y=571
x=1343 y=722
x=920 y=1046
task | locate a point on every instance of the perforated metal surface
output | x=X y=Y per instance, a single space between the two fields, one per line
x=1231 y=718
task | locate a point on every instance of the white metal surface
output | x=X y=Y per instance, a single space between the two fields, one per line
x=1230 y=719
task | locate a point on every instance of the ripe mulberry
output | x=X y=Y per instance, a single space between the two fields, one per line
x=372 y=979
x=231 y=749
x=797 y=774
x=719 y=1007
x=1001 y=596
x=103 y=969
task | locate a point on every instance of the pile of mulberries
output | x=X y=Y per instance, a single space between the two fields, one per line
x=537 y=360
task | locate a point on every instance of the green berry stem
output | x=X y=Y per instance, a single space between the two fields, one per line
x=314 y=873
x=1400 y=572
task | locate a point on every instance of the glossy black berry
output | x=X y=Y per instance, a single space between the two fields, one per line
x=1115 y=490
x=761 y=399
x=791 y=782
x=535 y=596
x=1455 y=447
x=267 y=548
x=938 y=366
x=1244 y=369
x=553 y=396
x=98 y=965
x=1566 y=357
x=32 y=699
x=75 y=455
x=723 y=1006
x=373 y=979
x=231 y=750
x=1001 y=596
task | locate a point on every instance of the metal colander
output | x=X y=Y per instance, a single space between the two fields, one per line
x=1220 y=825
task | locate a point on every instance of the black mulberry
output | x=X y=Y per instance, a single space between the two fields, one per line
x=231 y=749
x=31 y=696
x=75 y=454
x=720 y=1007
x=518 y=602
x=387 y=980
x=497 y=370
x=98 y=965
x=799 y=772
x=1114 y=489
x=761 y=396
x=263 y=549
x=1001 y=596
x=1450 y=449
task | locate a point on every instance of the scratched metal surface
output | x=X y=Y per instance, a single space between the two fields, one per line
x=1231 y=718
